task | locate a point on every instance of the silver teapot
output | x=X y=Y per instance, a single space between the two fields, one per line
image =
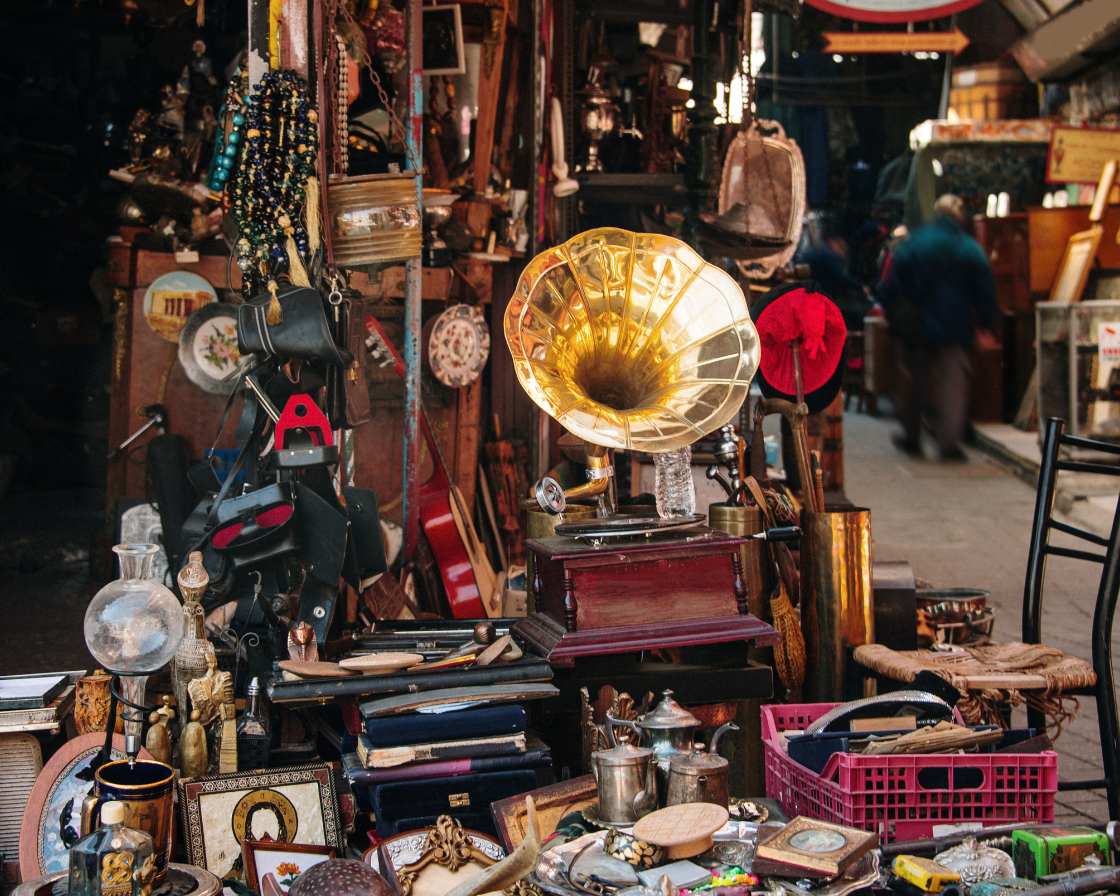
x=625 y=779
x=668 y=730
x=700 y=777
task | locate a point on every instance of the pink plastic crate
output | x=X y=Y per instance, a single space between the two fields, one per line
x=903 y=797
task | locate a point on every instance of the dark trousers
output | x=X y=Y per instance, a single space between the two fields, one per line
x=935 y=385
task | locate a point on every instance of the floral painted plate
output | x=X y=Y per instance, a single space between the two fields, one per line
x=208 y=348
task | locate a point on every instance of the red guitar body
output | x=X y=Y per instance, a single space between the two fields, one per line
x=436 y=519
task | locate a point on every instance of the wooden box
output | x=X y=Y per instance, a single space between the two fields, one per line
x=1050 y=229
x=619 y=598
x=992 y=90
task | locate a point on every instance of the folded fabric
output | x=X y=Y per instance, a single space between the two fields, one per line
x=485 y=721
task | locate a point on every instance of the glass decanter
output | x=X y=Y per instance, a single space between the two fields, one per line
x=133 y=626
x=114 y=860
x=192 y=656
x=253 y=740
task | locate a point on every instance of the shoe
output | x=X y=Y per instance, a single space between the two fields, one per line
x=906 y=446
x=954 y=456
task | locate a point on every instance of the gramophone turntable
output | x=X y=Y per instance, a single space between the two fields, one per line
x=632 y=341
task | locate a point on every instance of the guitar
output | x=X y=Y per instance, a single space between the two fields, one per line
x=473 y=589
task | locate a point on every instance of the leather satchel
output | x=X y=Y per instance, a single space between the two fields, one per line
x=303 y=332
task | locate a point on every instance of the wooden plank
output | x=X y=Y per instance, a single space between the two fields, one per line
x=293 y=36
x=489 y=88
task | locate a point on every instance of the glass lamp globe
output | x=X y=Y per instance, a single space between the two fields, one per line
x=132 y=628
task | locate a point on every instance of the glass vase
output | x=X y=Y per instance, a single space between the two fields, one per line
x=132 y=627
x=673 y=489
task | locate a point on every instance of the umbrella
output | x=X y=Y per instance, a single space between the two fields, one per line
x=802 y=333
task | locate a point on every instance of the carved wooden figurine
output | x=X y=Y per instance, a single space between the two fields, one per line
x=158 y=738
x=194 y=755
x=227 y=749
x=209 y=692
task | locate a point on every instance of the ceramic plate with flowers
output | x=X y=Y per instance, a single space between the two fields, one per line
x=208 y=348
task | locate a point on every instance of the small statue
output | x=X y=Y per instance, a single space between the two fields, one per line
x=302 y=645
x=208 y=693
x=227 y=749
x=194 y=755
x=165 y=709
x=158 y=739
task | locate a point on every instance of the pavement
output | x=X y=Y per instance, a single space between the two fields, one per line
x=968 y=525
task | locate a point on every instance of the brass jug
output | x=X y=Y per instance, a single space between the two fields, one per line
x=700 y=777
x=625 y=780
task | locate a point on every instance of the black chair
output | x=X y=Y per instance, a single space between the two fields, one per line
x=1054 y=440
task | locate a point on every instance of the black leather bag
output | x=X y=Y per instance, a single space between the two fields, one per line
x=303 y=332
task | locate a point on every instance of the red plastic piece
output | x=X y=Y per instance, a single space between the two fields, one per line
x=300 y=412
x=885 y=793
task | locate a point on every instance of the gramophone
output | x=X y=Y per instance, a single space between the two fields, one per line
x=632 y=341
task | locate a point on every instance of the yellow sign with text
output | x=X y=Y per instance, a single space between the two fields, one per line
x=1078 y=155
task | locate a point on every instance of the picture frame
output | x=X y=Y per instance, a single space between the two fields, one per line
x=431 y=861
x=1077 y=262
x=1103 y=192
x=443 y=51
x=272 y=866
x=297 y=803
x=553 y=803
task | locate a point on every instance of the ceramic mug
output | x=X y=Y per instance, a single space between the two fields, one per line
x=147 y=789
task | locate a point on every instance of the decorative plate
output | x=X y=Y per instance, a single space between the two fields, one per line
x=52 y=821
x=172 y=299
x=208 y=348
x=459 y=345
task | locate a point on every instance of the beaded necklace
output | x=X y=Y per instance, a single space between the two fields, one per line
x=278 y=158
x=229 y=132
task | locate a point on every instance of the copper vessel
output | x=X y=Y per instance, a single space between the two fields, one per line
x=740 y=520
x=837 y=602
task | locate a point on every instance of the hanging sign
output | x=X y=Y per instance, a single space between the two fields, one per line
x=892 y=10
x=1078 y=155
x=856 y=42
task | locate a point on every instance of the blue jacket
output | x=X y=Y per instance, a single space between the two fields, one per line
x=940 y=287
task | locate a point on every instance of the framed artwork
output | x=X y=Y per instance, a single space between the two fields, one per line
x=52 y=820
x=272 y=866
x=433 y=861
x=297 y=804
x=1077 y=261
x=443 y=40
x=553 y=803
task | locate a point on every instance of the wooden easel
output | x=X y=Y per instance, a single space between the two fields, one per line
x=1069 y=285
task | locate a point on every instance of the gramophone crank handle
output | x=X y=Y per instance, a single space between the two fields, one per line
x=713 y=473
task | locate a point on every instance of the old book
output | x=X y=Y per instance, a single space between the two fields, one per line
x=30 y=691
x=390 y=757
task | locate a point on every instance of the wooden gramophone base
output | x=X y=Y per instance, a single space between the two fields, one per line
x=560 y=647
x=621 y=597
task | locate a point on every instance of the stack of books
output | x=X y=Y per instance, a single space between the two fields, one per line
x=412 y=768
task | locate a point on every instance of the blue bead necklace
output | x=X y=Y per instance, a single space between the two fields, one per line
x=267 y=191
x=229 y=132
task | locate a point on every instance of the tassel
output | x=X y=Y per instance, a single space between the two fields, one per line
x=789 y=654
x=311 y=194
x=275 y=312
x=296 y=270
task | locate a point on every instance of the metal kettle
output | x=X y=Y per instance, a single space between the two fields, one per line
x=625 y=779
x=700 y=777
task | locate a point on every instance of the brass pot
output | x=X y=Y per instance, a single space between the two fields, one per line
x=540 y=524
x=837 y=601
x=739 y=520
x=700 y=777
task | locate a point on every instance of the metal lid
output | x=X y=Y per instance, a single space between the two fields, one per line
x=623 y=754
x=696 y=763
x=668 y=714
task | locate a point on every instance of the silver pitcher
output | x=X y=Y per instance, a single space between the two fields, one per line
x=625 y=779
x=700 y=777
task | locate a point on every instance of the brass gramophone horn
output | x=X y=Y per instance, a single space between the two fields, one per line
x=632 y=341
